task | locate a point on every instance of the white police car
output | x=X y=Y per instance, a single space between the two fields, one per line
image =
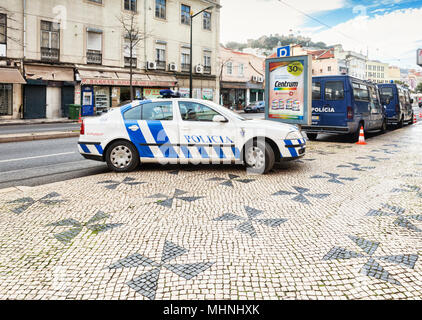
x=186 y=131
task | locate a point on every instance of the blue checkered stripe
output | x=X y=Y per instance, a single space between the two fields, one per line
x=153 y=141
x=293 y=148
x=91 y=149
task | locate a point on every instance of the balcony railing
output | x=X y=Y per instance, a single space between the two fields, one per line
x=50 y=54
x=161 y=65
x=207 y=69
x=134 y=62
x=185 y=67
x=94 y=57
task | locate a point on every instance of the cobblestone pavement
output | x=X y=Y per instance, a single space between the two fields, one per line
x=343 y=223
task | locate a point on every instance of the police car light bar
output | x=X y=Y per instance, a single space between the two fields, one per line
x=167 y=94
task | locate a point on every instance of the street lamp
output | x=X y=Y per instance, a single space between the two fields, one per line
x=191 y=51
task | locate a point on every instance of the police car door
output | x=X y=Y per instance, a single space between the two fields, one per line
x=156 y=133
x=201 y=139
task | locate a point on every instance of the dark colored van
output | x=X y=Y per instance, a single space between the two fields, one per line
x=398 y=103
x=342 y=104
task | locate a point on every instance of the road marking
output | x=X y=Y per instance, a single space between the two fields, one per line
x=38 y=157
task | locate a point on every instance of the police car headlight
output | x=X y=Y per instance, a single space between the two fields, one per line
x=294 y=135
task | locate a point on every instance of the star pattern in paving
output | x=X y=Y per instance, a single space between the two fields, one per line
x=229 y=182
x=112 y=185
x=334 y=178
x=303 y=160
x=147 y=283
x=247 y=225
x=403 y=221
x=168 y=200
x=26 y=203
x=372 y=158
x=408 y=188
x=355 y=166
x=76 y=227
x=301 y=195
x=372 y=268
x=385 y=151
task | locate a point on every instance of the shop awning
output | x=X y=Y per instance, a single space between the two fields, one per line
x=9 y=75
x=48 y=73
x=162 y=80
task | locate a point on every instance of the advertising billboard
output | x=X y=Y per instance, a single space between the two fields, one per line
x=288 y=90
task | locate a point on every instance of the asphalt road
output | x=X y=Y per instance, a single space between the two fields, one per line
x=33 y=128
x=40 y=162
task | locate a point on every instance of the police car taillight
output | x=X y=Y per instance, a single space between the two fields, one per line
x=82 y=128
x=350 y=113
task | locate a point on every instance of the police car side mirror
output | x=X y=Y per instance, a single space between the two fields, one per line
x=220 y=119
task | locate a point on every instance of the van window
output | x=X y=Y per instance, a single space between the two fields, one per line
x=360 y=92
x=334 y=90
x=387 y=92
x=316 y=90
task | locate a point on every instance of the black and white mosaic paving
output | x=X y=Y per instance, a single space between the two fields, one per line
x=372 y=268
x=112 y=185
x=247 y=224
x=228 y=182
x=355 y=166
x=406 y=188
x=334 y=178
x=147 y=283
x=302 y=194
x=402 y=220
x=76 y=227
x=25 y=203
x=177 y=195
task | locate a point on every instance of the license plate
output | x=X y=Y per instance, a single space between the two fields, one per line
x=315 y=118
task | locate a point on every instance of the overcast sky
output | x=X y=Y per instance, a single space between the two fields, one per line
x=389 y=30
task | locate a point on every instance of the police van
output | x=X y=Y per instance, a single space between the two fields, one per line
x=398 y=102
x=342 y=105
x=186 y=131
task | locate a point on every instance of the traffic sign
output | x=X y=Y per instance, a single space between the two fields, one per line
x=283 y=52
x=419 y=57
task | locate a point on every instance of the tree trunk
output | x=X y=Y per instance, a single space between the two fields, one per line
x=131 y=72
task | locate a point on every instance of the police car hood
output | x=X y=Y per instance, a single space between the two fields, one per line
x=269 y=125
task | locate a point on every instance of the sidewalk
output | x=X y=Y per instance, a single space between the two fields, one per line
x=34 y=121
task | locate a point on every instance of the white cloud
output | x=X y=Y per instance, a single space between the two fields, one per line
x=250 y=19
x=392 y=37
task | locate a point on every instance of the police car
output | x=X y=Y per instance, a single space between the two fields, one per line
x=186 y=131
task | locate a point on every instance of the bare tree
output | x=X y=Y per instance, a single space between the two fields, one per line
x=134 y=36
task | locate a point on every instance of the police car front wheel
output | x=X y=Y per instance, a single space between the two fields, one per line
x=122 y=156
x=259 y=157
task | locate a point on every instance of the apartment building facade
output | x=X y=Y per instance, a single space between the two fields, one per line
x=377 y=71
x=355 y=62
x=78 y=52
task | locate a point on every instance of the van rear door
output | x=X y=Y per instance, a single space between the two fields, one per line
x=387 y=93
x=331 y=110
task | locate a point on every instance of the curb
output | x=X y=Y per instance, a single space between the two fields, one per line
x=47 y=136
x=18 y=123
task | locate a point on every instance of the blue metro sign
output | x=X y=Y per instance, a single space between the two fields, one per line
x=283 y=52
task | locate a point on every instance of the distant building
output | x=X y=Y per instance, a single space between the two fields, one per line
x=324 y=63
x=355 y=62
x=377 y=71
x=393 y=74
x=242 y=78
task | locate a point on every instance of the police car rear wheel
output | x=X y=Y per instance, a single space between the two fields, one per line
x=122 y=157
x=259 y=157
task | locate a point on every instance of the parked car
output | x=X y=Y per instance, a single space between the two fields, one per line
x=398 y=102
x=255 y=107
x=186 y=131
x=342 y=105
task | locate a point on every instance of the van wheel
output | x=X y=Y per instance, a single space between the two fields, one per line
x=122 y=156
x=312 y=136
x=384 y=127
x=354 y=136
x=411 y=119
x=401 y=123
x=259 y=157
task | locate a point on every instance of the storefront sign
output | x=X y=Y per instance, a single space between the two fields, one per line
x=207 y=94
x=288 y=90
x=152 y=93
x=184 y=92
x=112 y=82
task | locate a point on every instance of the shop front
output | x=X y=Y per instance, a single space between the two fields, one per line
x=102 y=90
x=48 y=91
x=11 y=81
x=238 y=95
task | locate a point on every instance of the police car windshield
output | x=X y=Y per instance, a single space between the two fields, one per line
x=229 y=112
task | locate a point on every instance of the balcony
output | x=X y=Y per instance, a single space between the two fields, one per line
x=185 y=67
x=134 y=62
x=161 y=65
x=94 y=57
x=207 y=69
x=50 y=54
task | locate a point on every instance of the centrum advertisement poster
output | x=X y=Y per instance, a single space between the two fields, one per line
x=288 y=84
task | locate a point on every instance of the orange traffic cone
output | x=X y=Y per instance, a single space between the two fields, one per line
x=80 y=118
x=420 y=115
x=362 y=137
x=414 y=119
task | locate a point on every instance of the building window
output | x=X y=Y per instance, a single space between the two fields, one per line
x=6 y=93
x=185 y=15
x=130 y=5
x=185 y=60
x=329 y=69
x=3 y=28
x=229 y=68
x=160 y=9
x=241 y=69
x=50 y=41
x=96 y=1
x=207 y=21
x=94 y=47
x=207 y=62
x=160 y=56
